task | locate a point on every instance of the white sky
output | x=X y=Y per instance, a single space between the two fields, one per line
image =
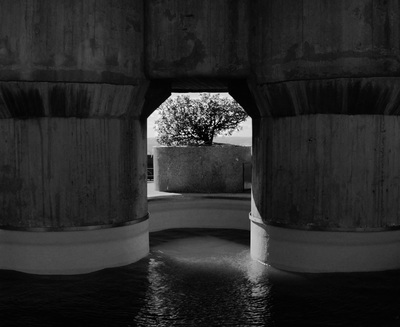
x=246 y=125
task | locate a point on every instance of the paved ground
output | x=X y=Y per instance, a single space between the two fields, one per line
x=152 y=193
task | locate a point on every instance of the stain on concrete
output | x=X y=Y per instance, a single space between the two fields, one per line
x=22 y=103
x=294 y=215
x=334 y=96
x=387 y=32
x=112 y=60
x=69 y=61
x=10 y=197
x=132 y=23
x=364 y=13
x=7 y=57
x=308 y=50
x=291 y=53
x=187 y=22
x=116 y=78
x=46 y=62
x=196 y=56
x=93 y=46
x=57 y=101
x=10 y=75
x=171 y=16
x=82 y=104
x=367 y=13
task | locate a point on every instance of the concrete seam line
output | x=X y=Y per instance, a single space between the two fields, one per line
x=312 y=228
x=75 y=228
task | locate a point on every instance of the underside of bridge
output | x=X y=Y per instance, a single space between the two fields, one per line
x=320 y=79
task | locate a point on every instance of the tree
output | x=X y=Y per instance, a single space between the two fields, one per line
x=186 y=121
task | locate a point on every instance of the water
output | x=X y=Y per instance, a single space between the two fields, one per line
x=200 y=278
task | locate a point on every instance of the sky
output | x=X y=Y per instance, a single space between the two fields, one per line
x=246 y=125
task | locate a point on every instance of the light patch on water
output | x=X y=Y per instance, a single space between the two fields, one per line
x=209 y=250
x=207 y=278
x=199 y=247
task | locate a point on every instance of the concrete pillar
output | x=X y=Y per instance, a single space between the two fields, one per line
x=73 y=135
x=326 y=149
x=73 y=194
x=325 y=193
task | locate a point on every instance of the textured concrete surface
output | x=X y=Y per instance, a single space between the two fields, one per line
x=204 y=169
x=71 y=41
x=73 y=252
x=64 y=172
x=198 y=210
x=324 y=252
x=119 y=60
x=332 y=172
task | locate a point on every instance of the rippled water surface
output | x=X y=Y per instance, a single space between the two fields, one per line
x=200 y=278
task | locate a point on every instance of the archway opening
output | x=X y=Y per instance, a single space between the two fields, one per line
x=160 y=90
x=208 y=236
x=180 y=210
x=240 y=137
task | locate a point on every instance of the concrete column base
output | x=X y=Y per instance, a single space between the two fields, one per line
x=324 y=251
x=79 y=251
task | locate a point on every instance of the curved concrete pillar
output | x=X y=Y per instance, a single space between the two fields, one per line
x=73 y=195
x=326 y=150
x=325 y=193
x=73 y=136
x=73 y=190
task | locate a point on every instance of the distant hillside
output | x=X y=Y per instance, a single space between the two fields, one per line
x=151 y=141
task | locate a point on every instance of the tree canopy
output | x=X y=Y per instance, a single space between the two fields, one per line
x=186 y=121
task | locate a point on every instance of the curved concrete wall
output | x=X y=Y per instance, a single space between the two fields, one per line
x=199 y=211
x=200 y=169
x=74 y=251
x=315 y=251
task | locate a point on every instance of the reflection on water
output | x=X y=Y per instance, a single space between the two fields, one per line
x=205 y=279
x=200 y=278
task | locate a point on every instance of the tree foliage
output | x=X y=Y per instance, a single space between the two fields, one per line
x=186 y=121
